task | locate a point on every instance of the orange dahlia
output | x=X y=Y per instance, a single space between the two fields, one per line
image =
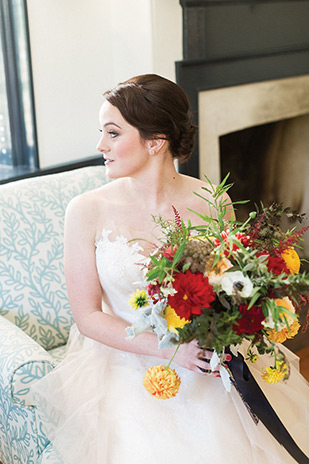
x=291 y=260
x=161 y=382
x=281 y=335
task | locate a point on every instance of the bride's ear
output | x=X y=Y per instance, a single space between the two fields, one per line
x=155 y=145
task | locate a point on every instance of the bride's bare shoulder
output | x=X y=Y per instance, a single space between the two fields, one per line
x=197 y=185
x=89 y=204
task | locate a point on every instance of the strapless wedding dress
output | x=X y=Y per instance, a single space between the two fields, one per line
x=95 y=409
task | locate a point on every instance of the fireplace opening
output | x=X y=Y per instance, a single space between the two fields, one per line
x=269 y=163
x=259 y=133
x=243 y=154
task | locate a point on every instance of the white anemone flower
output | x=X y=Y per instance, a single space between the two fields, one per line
x=236 y=283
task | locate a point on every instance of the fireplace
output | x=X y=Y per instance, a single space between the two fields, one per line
x=233 y=43
x=246 y=71
x=259 y=133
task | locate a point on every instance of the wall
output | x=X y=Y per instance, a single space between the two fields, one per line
x=81 y=48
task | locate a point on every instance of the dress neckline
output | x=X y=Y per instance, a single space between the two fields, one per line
x=132 y=244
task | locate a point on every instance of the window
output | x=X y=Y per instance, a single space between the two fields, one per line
x=18 y=146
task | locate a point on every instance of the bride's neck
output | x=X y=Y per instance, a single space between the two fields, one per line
x=156 y=187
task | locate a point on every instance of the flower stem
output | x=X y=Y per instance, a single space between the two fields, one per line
x=275 y=354
x=173 y=356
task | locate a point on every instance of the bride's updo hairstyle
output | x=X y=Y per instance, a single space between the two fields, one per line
x=157 y=106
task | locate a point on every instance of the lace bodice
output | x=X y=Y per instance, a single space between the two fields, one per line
x=120 y=266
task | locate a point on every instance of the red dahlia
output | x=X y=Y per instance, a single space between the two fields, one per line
x=276 y=265
x=250 y=320
x=193 y=294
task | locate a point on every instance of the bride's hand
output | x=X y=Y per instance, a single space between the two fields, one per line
x=192 y=357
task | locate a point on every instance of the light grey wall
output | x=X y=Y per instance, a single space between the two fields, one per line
x=80 y=48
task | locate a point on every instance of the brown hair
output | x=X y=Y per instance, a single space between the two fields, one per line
x=157 y=106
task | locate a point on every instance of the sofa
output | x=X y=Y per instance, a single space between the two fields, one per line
x=35 y=315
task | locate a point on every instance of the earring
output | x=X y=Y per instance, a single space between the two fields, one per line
x=151 y=151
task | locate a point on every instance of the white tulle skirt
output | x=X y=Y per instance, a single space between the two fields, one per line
x=95 y=410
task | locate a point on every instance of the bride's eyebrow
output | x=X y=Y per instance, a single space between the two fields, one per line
x=111 y=124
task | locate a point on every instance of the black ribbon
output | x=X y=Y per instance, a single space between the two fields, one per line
x=260 y=407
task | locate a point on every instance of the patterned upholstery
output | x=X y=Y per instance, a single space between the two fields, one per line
x=49 y=456
x=35 y=316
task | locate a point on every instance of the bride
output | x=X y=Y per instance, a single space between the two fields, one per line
x=93 y=405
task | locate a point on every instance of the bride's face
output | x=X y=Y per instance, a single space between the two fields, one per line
x=124 y=151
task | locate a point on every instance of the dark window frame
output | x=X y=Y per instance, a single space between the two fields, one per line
x=24 y=152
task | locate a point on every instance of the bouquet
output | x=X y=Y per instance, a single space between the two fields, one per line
x=221 y=283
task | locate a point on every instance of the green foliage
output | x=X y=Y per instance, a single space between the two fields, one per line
x=172 y=233
x=213 y=329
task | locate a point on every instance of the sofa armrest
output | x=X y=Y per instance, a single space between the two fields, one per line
x=50 y=456
x=22 y=361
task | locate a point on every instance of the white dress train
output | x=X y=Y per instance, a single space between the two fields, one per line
x=95 y=409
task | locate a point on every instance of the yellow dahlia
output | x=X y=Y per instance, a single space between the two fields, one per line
x=291 y=260
x=174 y=322
x=275 y=374
x=139 y=299
x=161 y=382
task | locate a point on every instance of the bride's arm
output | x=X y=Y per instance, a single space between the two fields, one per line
x=85 y=292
